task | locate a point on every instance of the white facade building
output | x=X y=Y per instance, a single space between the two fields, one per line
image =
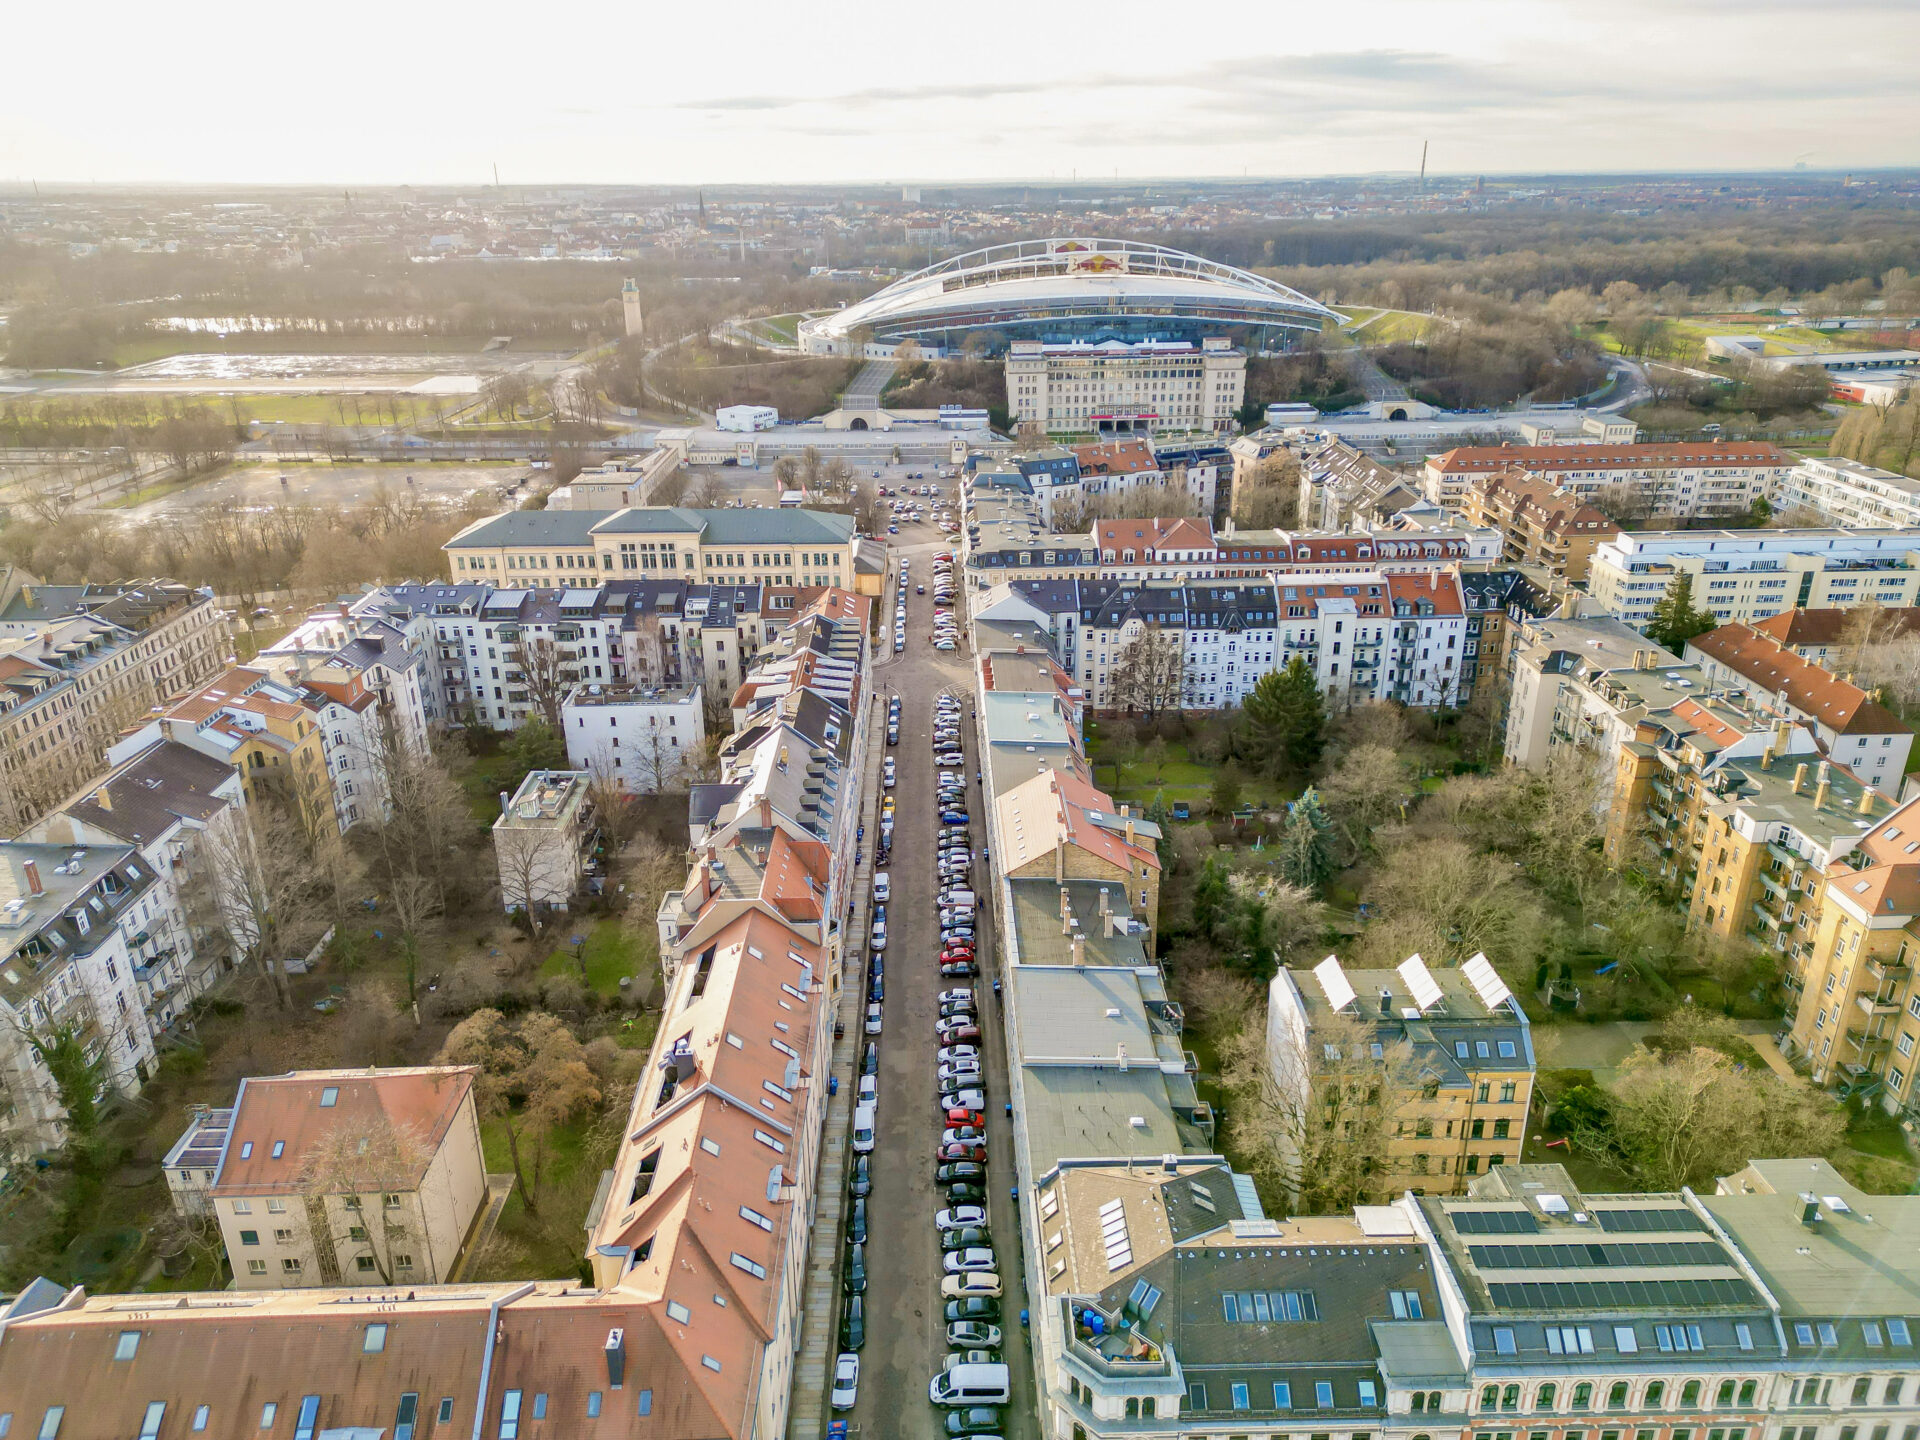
x=1845 y=492
x=1113 y=388
x=643 y=739
x=541 y=839
x=1750 y=574
x=744 y=419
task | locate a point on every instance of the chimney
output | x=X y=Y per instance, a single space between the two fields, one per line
x=1825 y=786
x=1386 y=1001
x=1060 y=861
x=103 y=797
x=506 y=802
x=1766 y=758
x=1810 y=1210
x=1866 y=801
x=1781 y=733
x=1130 y=830
x=1106 y=923
x=33 y=879
x=616 y=1359
x=1799 y=776
x=1078 y=949
x=1066 y=912
x=1120 y=1055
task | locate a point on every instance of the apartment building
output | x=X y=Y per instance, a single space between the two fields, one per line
x=1856 y=1014
x=571 y=549
x=640 y=739
x=78 y=664
x=543 y=839
x=1060 y=825
x=1539 y=522
x=1850 y=724
x=1555 y=672
x=1111 y=387
x=346 y=1177
x=160 y=803
x=1746 y=575
x=1461 y=1065
x=1847 y=493
x=69 y=918
x=1716 y=477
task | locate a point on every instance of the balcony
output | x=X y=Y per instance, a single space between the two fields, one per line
x=1117 y=1351
x=1662 y=789
x=1773 y=887
x=1876 y=1004
x=1766 y=918
x=1884 y=968
x=1865 y=1044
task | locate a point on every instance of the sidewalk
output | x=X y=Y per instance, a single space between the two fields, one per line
x=820 y=1312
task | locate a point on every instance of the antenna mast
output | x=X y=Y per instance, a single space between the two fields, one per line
x=1423 y=163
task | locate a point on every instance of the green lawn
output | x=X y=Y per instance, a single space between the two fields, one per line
x=1179 y=777
x=611 y=953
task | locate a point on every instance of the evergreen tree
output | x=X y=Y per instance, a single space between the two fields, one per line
x=1306 y=857
x=1288 y=717
x=1675 y=620
x=1212 y=897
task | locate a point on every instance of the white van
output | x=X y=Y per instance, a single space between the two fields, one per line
x=971 y=1385
x=882 y=886
x=960 y=899
x=864 y=1119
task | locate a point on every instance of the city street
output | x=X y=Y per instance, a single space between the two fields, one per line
x=906 y=1339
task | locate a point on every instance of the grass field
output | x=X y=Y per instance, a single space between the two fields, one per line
x=781 y=329
x=610 y=954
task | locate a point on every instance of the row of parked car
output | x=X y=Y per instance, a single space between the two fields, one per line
x=973 y=1381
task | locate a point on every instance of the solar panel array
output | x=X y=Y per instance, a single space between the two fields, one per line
x=1494 y=1222
x=1594 y=1255
x=1611 y=1294
x=1619 y=1220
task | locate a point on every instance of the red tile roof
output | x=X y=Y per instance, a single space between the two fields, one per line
x=1843 y=708
x=1825 y=627
x=1478 y=459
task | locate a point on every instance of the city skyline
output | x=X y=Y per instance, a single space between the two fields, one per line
x=1488 y=86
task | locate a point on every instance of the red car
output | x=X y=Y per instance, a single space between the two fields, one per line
x=974 y=1151
x=961 y=1035
x=967 y=1117
x=961 y=951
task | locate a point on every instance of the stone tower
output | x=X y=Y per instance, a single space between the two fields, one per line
x=630 y=302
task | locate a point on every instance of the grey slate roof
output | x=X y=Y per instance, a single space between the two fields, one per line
x=529 y=527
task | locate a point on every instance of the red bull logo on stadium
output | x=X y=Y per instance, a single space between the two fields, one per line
x=1096 y=265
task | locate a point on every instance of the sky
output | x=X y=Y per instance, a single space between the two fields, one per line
x=355 y=92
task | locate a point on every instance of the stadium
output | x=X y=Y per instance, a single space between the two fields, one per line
x=1064 y=291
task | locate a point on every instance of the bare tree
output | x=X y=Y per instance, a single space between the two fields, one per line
x=532 y=865
x=547 y=672
x=367 y=1169
x=253 y=882
x=1316 y=1111
x=1149 y=672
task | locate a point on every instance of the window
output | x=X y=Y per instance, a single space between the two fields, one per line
x=256 y=1267
x=1862 y=1388
x=267 y=1413
x=510 y=1415
x=126 y=1345
x=150 y=1425
x=1323 y=1394
x=1570 y=1340
x=375 y=1341
x=1617 y=1395
x=1197 y=1396
x=329 y=1097
x=1368 y=1394
x=752 y=1267
x=1490 y=1397
x=1723 y=1397
x=1240 y=1401
x=1625 y=1341
x=303 y=1422
x=279 y=1148
x=1892 y=1395
x=1282 y=1395
x=540 y=1406
x=646 y=1402
x=1406 y=1304
x=593 y=1405
x=249 y=1237
x=405 y=1417
x=445 y=1414
x=1503 y=1340
x=50 y=1422
x=1897 y=1333
x=1543 y=1397
x=1583 y=1396
x=201 y=1415
x=1743 y=1334
x=1870 y=1332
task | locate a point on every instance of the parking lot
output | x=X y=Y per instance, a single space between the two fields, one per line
x=905 y=1328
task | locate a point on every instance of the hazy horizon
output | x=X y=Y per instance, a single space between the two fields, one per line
x=215 y=94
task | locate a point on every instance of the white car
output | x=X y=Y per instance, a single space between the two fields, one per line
x=882 y=886
x=873 y=1020
x=846 y=1380
x=959 y=993
x=964 y=1099
x=960 y=1216
x=877 y=937
x=965 y=1072
x=977 y=1258
x=869 y=1090
x=981 y=1283
x=958 y=1054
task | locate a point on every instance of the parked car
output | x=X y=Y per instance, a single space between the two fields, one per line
x=949 y=1054
x=972 y=1332
x=857 y=1223
x=962 y=1172
x=853 y=1323
x=973 y=1258
x=958 y=969
x=975 y=1308
x=869 y=1091
x=961 y=1115
x=960 y=1217
x=974 y=1282
x=972 y=1357
x=855 y=1282
x=966 y=1238
x=963 y=1135
x=846 y=1381
x=862 y=1182
x=974 y=1152
x=966 y=1193
x=873 y=1019
x=980 y=1420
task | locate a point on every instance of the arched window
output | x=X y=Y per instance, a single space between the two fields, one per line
x=1133 y=1408
x=1747 y=1392
x=1724 y=1396
x=1490 y=1398
x=1510 y=1398
x=1582 y=1396
x=1079 y=1432
x=1617 y=1395
x=1146 y=1408
x=1543 y=1397
x=1689 y=1394
x=1419 y=1401
x=1656 y=1392
x=1433 y=1402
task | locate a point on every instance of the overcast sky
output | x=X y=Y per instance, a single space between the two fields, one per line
x=751 y=90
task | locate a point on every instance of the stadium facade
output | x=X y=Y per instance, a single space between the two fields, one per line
x=1067 y=291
